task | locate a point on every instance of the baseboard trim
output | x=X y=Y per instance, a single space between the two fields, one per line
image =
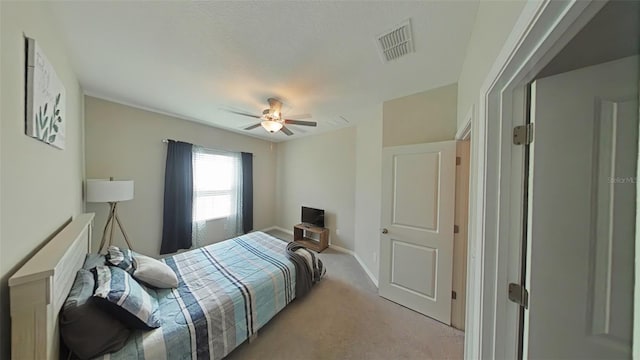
x=287 y=231
x=360 y=262
x=341 y=249
x=366 y=269
x=278 y=228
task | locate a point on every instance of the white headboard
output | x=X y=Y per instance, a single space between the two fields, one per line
x=39 y=289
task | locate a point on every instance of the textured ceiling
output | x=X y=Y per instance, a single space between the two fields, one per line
x=193 y=59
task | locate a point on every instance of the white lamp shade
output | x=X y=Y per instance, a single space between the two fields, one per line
x=271 y=126
x=105 y=190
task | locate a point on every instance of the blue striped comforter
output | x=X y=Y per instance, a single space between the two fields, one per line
x=227 y=291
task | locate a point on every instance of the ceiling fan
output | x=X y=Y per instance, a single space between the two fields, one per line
x=272 y=119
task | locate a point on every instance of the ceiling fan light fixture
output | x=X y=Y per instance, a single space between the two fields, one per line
x=272 y=119
x=271 y=125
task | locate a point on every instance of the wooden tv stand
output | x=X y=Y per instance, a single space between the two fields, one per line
x=300 y=230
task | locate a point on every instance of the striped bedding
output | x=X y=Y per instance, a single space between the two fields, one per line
x=227 y=291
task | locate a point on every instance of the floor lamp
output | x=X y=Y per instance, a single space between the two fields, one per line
x=110 y=191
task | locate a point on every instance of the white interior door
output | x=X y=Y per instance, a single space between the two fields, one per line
x=582 y=213
x=416 y=246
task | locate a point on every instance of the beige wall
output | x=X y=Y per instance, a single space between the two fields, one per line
x=368 y=189
x=41 y=186
x=494 y=22
x=319 y=171
x=429 y=116
x=126 y=143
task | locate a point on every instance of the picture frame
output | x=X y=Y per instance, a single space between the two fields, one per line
x=45 y=106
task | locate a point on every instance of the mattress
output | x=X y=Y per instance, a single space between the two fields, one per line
x=227 y=291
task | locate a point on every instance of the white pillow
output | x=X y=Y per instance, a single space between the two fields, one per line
x=154 y=272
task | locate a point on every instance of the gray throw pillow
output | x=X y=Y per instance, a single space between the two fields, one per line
x=86 y=329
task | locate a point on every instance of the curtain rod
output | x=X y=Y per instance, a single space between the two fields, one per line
x=166 y=141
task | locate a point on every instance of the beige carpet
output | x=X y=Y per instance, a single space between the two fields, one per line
x=344 y=318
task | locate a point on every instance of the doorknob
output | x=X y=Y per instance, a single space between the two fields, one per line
x=384 y=231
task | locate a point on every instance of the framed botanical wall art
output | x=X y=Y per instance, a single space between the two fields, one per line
x=45 y=102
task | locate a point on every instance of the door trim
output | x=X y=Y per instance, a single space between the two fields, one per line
x=464 y=131
x=636 y=314
x=541 y=31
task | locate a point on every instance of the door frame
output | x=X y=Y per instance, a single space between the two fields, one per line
x=497 y=168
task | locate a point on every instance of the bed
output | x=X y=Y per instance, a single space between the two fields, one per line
x=227 y=292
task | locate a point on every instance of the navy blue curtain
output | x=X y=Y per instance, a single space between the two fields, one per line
x=247 y=192
x=178 y=198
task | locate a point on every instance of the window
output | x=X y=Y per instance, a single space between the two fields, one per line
x=214 y=185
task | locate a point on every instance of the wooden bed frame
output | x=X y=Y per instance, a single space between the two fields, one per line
x=38 y=291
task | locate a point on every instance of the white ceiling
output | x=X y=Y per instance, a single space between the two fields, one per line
x=193 y=59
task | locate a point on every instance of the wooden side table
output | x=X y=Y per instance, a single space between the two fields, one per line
x=299 y=235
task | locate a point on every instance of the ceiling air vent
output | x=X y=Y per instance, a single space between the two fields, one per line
x=396 y=43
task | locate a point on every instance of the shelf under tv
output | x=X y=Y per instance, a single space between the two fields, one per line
x=299 y=235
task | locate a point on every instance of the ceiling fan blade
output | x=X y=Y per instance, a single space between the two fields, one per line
x=286 y=131
x=300 y=116
x=252 y=126
x=299 y=122
x=242 y=113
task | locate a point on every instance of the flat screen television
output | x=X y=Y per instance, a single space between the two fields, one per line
x=311 y=216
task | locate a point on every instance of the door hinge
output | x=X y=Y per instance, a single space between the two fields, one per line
x=519 y=295
x=454 y=295
x=456 y=229
x=523 y=134
x=458 y=160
